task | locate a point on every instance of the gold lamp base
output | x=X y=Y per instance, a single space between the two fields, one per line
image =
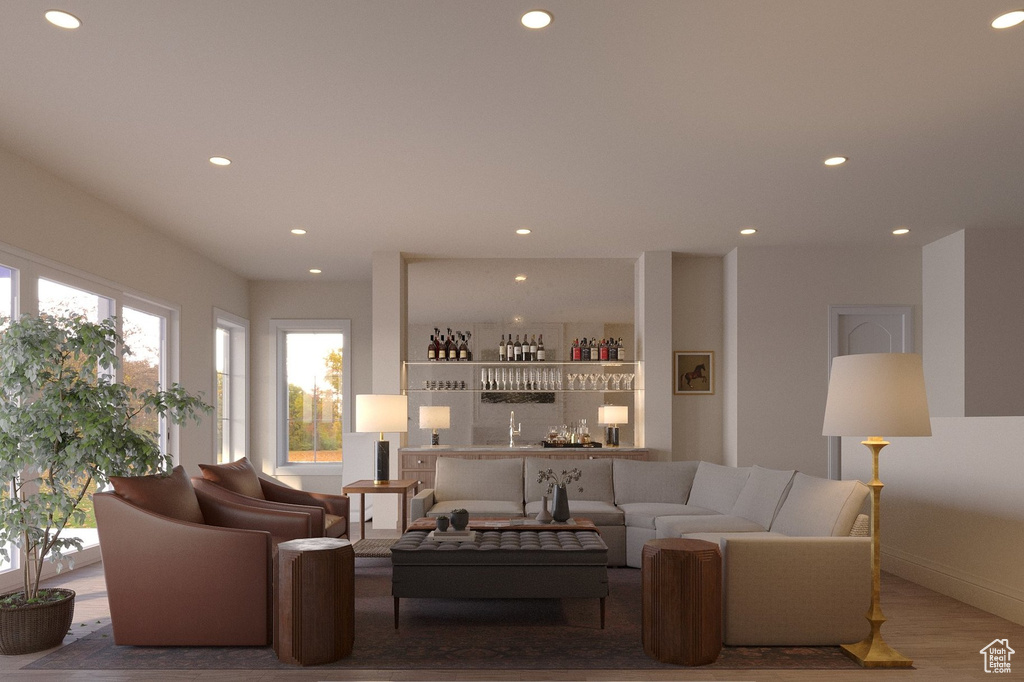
x=873 y=652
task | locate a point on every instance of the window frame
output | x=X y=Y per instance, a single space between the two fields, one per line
x=237 y=424
x=278 y=329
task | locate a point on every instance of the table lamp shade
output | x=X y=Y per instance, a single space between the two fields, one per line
x=383 y=413
x=435 y=417
x=612 y=414
x=877 y=394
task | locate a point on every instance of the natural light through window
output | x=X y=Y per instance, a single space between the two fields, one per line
x=144 y=334
x=7 y=310
x=314 y=370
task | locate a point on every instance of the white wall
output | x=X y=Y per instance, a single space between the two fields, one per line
x=944 y=311
x=697 y=325
x=308 y=300
x=952 y=517
x=46 y=217
x=781 y=352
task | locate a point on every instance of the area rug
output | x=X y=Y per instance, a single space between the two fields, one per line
x=456 y=634
x=374 y=548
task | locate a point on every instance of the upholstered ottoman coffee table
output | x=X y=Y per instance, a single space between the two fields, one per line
x=502 y=562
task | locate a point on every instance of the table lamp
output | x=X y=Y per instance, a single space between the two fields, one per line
x=612 y=416
x=382 y=413
x=881 y=394
x=435 y=417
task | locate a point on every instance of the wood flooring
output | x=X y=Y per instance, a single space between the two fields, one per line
x=942 y=635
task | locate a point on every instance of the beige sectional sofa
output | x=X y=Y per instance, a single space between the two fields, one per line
x=792 y=572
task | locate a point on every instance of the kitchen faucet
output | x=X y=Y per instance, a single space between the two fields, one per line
x=513 y=430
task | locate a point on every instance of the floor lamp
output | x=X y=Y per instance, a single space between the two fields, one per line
x=876 y=393
x=382 y=413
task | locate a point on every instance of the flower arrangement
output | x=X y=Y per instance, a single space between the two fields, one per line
x=562 y=479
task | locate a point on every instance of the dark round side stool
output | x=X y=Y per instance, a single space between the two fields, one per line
x=682 y=601
x=315 y=607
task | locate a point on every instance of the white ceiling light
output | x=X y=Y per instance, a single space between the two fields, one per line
x=298 y=230
x=1009 y=19
x=62 y=19
x=524 y=230
x=520 y=278
x=537 y=18
x=748 y=230
x=835 y=161
x=901 y=230
x=315 y=271
x=220 y=161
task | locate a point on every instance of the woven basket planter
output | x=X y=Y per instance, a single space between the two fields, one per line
x=34 y=627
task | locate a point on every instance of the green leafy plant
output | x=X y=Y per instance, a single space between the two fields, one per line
x=66 y=423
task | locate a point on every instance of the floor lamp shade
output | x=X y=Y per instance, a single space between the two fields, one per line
x=382 y=413
x=877 y=394
x=874 y=395
x=435 y=417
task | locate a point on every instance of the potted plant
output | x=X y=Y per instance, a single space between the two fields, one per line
x=65 y=425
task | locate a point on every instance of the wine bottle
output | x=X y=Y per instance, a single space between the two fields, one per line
x=526 y=349
x=540 y=349
x=431 y=349
x=501 y=350
x=509 y=349
x=533 y=347
x=517 y=350
x=469 y=349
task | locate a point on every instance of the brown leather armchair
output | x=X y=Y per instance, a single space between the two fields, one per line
x=238 y=482
x=179 y=573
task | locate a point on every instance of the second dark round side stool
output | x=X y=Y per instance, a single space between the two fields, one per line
x=682 y=601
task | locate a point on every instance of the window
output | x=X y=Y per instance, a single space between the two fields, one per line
x=7 y=309
x=313 y=403
x=230 y=362
x=145 y=366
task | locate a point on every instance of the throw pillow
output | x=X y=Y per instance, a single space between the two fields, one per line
x=762 y=495
x=169 y=495
x=716 y=487
x=238 y=477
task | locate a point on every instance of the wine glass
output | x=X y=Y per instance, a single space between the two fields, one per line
x=629 y=380
x=603 y=378
x=616 y=381
x=572 y=376
x=519 y=378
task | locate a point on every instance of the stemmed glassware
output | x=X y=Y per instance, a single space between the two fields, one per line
x=616 y=381
x=573 y=376
x=629 y=380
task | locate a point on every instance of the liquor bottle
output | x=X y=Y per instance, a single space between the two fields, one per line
x=540 y=349
x=469 y=349
x=501 y=350
x=533 y=347
x=463 y=349
x=431 y=349
x=605 y=354
x=584 y=350
x=576 y=353
x=527 y=356
x=517 y=350
x=621 y=353
x=613 y=352
x=442 y=349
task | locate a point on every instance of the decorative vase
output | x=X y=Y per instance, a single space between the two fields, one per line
x=560 y=513
x=460 y=519
x=544 y=516
x=34 y=627
x=442 y=523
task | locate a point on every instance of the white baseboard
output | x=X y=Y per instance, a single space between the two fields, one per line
x=1002 y=600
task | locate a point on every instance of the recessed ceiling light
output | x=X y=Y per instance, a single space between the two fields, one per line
x=62 y=19
x=748 y=230
x=835 y=161
x=901 y=230
x=520 y=278
x=1009 y=19
x=537 y=18
x=524 y=230
x=220 y=161
x=315 y=271
x=298 y=230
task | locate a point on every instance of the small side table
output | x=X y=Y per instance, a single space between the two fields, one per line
x=315 y=606
x=364 y=487
x=682 y=601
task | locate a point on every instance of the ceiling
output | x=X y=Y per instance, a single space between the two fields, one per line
x=437 y=128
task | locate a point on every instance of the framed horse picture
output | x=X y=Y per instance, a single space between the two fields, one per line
x=695 y=372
